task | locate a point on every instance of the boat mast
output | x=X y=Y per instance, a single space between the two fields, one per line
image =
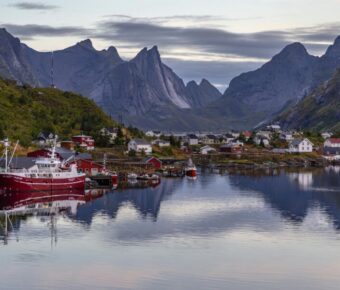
x=6 y=143
x=15 y=148
x=54 y=146
x=52 y=70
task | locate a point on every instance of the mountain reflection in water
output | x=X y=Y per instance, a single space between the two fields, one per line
x=270 y=229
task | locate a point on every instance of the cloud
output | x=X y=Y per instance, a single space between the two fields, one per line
x=33 y=6
x=30 y=31
x=205 y=40
x=191 y=34
x=220 y=73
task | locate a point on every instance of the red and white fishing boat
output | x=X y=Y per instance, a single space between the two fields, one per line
x=47 y=174
x=190 y=169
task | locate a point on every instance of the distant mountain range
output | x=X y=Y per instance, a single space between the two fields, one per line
x=148 y=94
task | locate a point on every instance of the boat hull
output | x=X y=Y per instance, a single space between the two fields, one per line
x=191 y=173
x=28 y=201
x=14 y=183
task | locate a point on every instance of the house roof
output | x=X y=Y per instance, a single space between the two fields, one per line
x=192 y=136
x=65 y=153
x=334 y=140
x=207 y=147
x=111 y=130
x=162 y=141
x=296 y=142
x=331 y=151
x=210 y=136
x=20 y=162
x=148 y=159
x=247 y=133
x=140 y=141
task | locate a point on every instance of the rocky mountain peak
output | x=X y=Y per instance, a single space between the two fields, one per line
x=192 y=84
x=293 y=50
x=87 y=43
x=334 y=50
x=6 y=36
x=153 y=52
x=112 y=52
x=205 y=83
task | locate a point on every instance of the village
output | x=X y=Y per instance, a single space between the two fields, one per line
x=166 y=153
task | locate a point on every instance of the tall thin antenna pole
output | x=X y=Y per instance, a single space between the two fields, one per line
x=6 y=143
x=52 y=70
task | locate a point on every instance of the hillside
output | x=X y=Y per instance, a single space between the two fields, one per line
x=318 y=111
x=25 y=111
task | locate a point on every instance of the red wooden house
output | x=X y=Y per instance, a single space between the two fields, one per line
x=155 y=162
x=84 y=141
x=89 y=167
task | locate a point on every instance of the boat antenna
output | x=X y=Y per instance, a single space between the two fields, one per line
x=54 y=146
x=6 y=144
x=15 y=148
x=52 y=70
x=104 y=162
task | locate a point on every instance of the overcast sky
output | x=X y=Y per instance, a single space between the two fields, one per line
x=215 y=39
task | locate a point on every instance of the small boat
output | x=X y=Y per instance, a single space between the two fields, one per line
x=190 y=169
x=154 y=177
x=132 y=176
x=148 y=177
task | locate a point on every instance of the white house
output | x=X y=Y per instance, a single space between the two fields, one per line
x=191 y=139
x=110 y=132
x=45 y=138
x=228 y=138
x=259 y=140
x=332 y=143
x=161 y=143
x=207 y=149
x=326 y=135
x=264 y=134
x=210 y=139
x=274 y=128
x=286 y=136
x=235 y=134
x=153 y=133
x=140 y=145
x=300 y=146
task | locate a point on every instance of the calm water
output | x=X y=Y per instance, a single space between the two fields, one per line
x=264 y=231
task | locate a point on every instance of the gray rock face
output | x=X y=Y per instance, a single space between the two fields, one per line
x=203 y=94
x=286 y=78
x=13 y=63
x=283 y=81
x=130 y=88
x=318 y=111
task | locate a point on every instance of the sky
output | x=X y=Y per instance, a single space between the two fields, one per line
x=215 y=39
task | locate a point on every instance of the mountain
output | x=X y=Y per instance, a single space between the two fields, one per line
x=25 y=111
x=135 y=89
x=282 y=82
x=13 y=62
x=203 y=94
x=147 y=93
x=318 y=111
x=285 y=79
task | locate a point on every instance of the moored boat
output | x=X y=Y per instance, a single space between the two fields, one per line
x=47 y=174
x=190 y=169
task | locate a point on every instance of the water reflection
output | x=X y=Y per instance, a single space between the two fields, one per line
x=294 y=193
x=254 y=230
x=146 y=201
